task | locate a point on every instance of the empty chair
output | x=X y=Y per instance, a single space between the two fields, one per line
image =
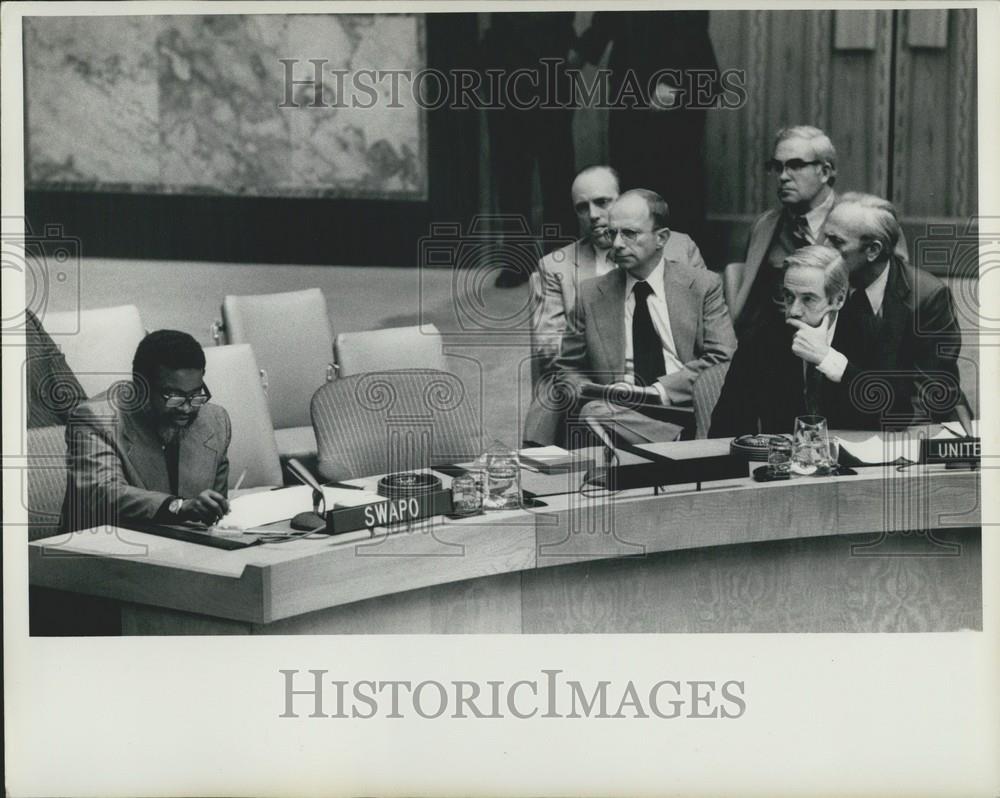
x=232 y=376
x=100 y=352
x=54 y=612
x=46 y=480
x=292 y=341
x=392 y=421
x=390 y=349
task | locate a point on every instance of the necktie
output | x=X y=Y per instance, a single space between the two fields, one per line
x=801 y=234
x=647 y=348
x=811 y=389
x=861 y=325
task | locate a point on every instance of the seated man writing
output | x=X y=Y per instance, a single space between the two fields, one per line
x=646 y=329
x=157 y=453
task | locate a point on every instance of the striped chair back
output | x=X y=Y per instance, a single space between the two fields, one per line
x=46 y=478
x=388 y=421
x=705 y=393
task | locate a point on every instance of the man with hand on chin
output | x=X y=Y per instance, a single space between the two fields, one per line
x=789 y=366
x=156 y=453
x=642 y=333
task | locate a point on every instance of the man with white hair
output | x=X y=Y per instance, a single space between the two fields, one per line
x=898 y=359
x=776 y=373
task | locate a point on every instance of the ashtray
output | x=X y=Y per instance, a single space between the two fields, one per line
x=754 y=447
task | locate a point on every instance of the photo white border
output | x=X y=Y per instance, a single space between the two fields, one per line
x=892 y=714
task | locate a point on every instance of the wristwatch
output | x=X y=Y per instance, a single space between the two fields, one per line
x=174 y=508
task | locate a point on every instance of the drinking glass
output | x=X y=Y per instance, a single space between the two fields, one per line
x=502 y=490
x=779 y=455
x=831 y=463
x=810 y=444
x=465 y=496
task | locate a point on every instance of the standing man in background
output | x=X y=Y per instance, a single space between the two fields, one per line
x=804 y=164
x=659 y=143
x=522 y=137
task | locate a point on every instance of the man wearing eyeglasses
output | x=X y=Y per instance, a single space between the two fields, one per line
x=804 y=165
x=646 y=329
x=555 y=288
x=784 y=368
x=153 y=450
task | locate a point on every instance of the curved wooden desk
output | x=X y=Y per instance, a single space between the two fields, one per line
x=811 y=554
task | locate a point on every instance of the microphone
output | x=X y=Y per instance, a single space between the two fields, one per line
x=600 y=475
x=602 y=435
x=311 y=521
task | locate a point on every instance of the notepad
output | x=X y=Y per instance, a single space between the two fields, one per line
x=553 y=460
x=253 y=510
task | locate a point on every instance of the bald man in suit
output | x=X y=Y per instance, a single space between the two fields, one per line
x=555 y=288
x=646 y=330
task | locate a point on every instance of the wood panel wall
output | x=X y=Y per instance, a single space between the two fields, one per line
x=903 y=118
x=935 y=123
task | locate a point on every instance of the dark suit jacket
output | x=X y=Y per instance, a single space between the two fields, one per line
x=906 y=371
x=594 y=345
x=763 y=391
x=761 y=233
x=116 y=469
x=647 y=42
x=888 y=374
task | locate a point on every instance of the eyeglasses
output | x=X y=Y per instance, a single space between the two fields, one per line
x=196 y=399
x=776 y=167
x=809 y=301
x=628 y=236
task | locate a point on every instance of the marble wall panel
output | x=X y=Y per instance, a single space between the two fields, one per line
x=196 y=104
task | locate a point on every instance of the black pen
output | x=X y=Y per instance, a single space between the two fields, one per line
x=342 y=485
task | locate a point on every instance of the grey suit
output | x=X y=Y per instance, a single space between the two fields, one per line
x=116 y=469
x=593 y=349
x=555 y=288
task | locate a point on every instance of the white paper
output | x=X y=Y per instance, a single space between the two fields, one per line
x=266 y=507
x=889 y=447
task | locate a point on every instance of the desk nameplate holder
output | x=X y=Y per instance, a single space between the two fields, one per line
x=953 y=451
x=389 y=512
x=664 y=471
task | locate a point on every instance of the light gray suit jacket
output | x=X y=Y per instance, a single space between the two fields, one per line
x=560 y=273
x=554 y=291
x=116 y=472
x=593 y=348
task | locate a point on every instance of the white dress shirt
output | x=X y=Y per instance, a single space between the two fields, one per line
x=657 y=303
x=602 y=257
x=834 y=364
